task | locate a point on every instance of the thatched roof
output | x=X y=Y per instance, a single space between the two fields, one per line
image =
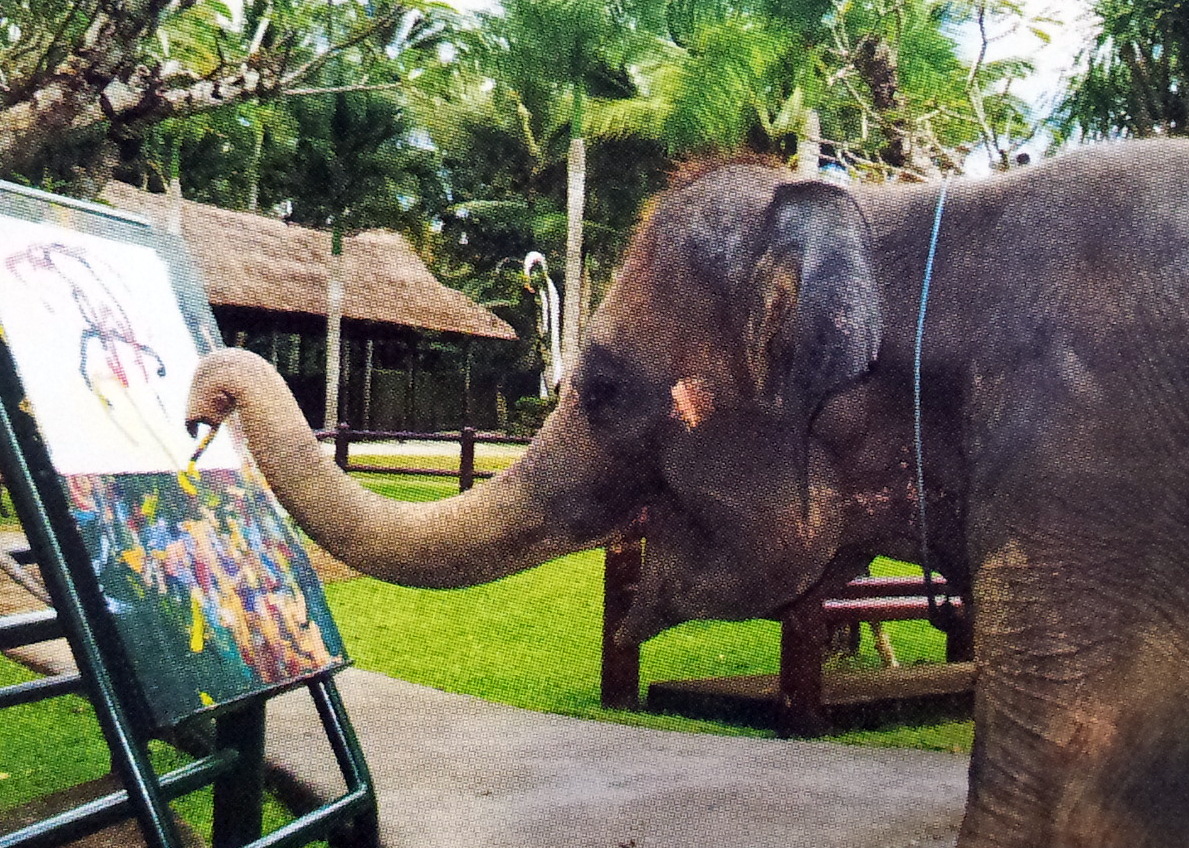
x=252 y=261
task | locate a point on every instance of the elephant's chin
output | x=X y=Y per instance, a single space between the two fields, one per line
x=727 y=584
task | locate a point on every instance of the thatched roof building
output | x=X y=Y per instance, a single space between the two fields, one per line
x=252 y=262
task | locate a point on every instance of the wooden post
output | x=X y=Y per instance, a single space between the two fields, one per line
x=342 y=445
x=803 y=636
x=369 y=359
x=466 y=459
x=620 y=684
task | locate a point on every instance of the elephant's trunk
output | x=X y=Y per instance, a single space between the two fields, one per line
x=497 y=529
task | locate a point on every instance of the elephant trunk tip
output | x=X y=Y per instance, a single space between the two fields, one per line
x=220 y=382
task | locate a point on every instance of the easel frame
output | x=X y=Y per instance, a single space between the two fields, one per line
x=235 y=767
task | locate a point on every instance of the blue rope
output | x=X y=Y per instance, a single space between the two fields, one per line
x=916 y=403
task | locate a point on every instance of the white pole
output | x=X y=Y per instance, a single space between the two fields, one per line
x=575 y=204
x=173 y=218
x=549 y=324
x=334 y=336
x=554 y=332
x=809 y=146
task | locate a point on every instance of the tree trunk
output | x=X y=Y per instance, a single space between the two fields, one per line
x=334 y=329
x=575 y=203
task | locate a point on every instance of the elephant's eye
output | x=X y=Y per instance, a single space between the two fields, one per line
x=599 y=392
x=600 y=382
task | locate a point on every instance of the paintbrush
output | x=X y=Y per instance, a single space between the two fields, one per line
x=203 y=444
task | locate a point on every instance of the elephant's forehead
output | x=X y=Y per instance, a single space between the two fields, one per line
x=666 y=331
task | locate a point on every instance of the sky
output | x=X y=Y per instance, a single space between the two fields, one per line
x=1053 y=60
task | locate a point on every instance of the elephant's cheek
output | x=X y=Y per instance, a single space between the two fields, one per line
x=749 y=572
x=816 y=528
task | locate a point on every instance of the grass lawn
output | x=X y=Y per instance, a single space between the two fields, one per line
x=532 y=640
x=56 y=744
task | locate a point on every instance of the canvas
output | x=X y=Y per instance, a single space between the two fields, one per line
x=209 y=587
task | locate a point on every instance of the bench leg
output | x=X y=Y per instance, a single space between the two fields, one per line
x=883 y=645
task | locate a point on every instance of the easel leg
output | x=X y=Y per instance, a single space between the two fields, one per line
x=239 y=794
x=364 y=830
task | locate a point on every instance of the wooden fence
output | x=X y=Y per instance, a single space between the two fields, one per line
x=343 y=437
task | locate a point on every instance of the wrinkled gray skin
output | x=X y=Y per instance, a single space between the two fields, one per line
x=749 y=379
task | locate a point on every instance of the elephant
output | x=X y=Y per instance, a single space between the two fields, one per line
x=755 y=379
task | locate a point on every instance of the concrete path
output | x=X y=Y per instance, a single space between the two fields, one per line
x=453 y=770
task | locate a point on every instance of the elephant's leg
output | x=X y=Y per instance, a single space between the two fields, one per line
x=1082 y=719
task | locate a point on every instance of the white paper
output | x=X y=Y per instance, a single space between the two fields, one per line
x=102 y=349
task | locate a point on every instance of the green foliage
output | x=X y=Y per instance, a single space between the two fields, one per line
x=342 y=157
x=34 y=38
x=725 y=76
x=529 y=413
x=62 y=730
x=712 y=78
x=56 y=744
x=1136 y=76
x=742 y=57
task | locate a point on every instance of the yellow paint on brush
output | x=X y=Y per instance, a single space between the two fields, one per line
x=187 y=480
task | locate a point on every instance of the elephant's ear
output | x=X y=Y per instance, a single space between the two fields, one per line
x=814 y=318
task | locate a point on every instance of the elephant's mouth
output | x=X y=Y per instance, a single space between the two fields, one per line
x=686 y=576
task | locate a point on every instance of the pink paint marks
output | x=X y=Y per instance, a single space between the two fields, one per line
x=693 y=402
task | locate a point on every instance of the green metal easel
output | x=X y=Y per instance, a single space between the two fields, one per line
x=128 y=667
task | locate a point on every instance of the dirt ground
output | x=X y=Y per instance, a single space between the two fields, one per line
x=123 y=835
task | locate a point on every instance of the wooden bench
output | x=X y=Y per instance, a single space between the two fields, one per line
x=804 y=699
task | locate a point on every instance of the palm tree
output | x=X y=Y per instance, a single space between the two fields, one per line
x=884 y=78
x=1136 y=76
x=549 y=56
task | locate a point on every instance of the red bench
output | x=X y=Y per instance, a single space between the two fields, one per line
x=804 y=699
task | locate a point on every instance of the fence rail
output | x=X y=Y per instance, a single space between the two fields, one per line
x=343 y=437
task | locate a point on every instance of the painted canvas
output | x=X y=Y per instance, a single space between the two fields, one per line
x=209 y=586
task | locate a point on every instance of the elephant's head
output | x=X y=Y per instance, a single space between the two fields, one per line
x=745 y=302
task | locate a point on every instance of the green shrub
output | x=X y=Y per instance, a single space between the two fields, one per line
x=528 y=414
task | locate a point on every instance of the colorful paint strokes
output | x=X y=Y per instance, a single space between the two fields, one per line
x=206 y=583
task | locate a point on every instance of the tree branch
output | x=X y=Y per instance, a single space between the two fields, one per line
x=103 y=80
x=339 y=89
